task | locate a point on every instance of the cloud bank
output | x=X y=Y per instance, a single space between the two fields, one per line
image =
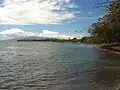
x=14 y=33
x=37 y=11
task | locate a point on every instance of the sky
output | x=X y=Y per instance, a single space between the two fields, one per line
x=63 y=16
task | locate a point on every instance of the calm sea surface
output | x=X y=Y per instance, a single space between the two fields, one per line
x=57 y=66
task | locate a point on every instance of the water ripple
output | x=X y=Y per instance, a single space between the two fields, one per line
x=56 y=66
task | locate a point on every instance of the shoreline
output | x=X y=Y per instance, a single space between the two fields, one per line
x=114 y=47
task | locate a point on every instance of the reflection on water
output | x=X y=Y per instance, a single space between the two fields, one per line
x=57 y=66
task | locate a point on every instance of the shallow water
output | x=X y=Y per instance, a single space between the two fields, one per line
x=57 y=66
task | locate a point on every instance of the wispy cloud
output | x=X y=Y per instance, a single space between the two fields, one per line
x=37 y=11
x=89 y=13
x=88 y=18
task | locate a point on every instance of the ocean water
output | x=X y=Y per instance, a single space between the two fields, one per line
x=57 y=66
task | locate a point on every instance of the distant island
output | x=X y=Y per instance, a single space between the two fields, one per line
x=74 y=40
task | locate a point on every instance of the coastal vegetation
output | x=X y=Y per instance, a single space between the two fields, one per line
x=74 y=40
x=107 y=29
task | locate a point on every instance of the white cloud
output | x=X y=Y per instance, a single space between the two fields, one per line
x=89 y=13
x=36 y=11
x=87 y=18
x=49 y=32
x=12 y=31
x=18 y=33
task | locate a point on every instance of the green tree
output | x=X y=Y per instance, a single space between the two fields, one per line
x=107 y=29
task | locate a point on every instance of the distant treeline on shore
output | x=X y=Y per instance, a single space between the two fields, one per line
x=74 y=40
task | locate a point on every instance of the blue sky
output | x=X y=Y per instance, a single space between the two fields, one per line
x=73 y=15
